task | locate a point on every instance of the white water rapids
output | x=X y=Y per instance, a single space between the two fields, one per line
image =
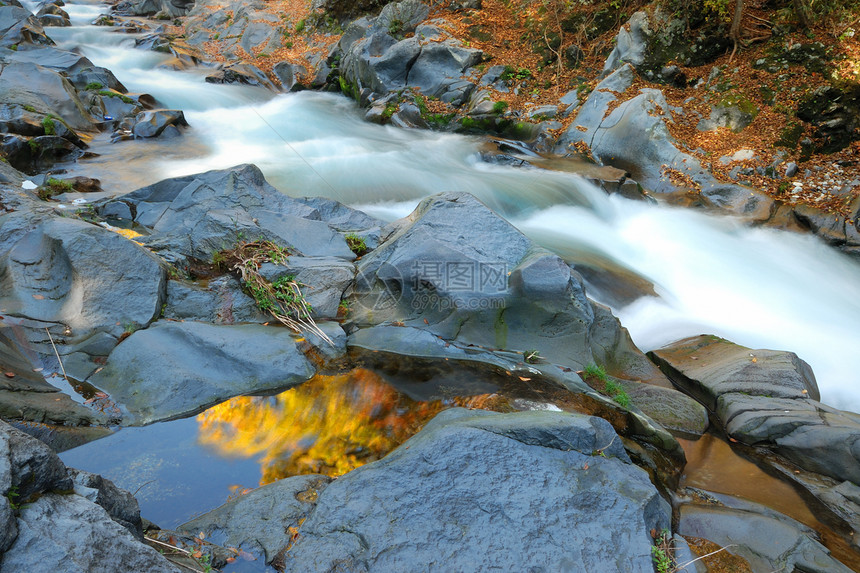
x=759 y=288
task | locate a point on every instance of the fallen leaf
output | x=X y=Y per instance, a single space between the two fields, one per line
x=230 y=559
x=425 y=321
x=38 y=297
x=755 y=359
x=37 y=369
x=585 y=467
x=523 y=379
x=9 y=374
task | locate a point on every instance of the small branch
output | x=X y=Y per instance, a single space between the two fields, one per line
x=142 y=486
x=681 y=567
x=57 y=354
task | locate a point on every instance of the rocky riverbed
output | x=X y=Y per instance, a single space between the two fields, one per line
x=553 y=440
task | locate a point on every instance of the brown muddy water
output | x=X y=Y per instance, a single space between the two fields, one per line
x=713 y=466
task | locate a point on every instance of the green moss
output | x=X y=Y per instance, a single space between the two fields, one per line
x=54 y=187
x=48 y=125
x=790 y=135
x=300 y=26
x=94 y=86
x=499 y=107
x=110 y=93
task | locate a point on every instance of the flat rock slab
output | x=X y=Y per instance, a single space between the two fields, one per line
x=176 y=369
x=706 y=367
x=477 y=491
x=767 y=542
x=766 y=398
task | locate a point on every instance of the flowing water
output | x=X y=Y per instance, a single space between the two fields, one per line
x=757 y=287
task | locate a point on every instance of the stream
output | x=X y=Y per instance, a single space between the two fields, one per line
x=757 y=287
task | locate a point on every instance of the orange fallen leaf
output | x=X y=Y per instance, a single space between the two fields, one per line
x=230 y=560
x=38 y=297
x=9 y=374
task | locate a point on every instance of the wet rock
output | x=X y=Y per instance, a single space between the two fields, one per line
x=153 y=123
x=289 y=75
x=207 y=364
x=468 y=469
x=768 y=542
x=457 y=269
x=44 y=90
x=28 y=467
x=670 y=408
x=707 y=367
x=170 y=8
x=19 y=26
x=767 y=399
x=70 y=533
x=53 y=15
x=237 y=523
x=634 y=137
x=55 y=271
x=194 y=216
x=120 y=504
x=241 y=74
x=828 y=226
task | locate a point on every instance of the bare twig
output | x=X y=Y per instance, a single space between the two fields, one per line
x=681 y=567
x=57 y=354
x=142 y=486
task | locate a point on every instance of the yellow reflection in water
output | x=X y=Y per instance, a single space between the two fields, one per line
x=329 y=425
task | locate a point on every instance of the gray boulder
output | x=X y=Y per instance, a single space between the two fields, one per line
x=285 y=503
x=46 y=527
x=475 y=491
x=45 y=90
x=171 y=8
x=207 y=364
x=768 y=399
x=241 y=74
x=153 y=123
x=634 y=137
x=194 y=216
x=289 y=75
x=120 y=504
x=71 y=534
x=458 y=270
x=19 y=26
x=54 y=270
x=377 y=59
